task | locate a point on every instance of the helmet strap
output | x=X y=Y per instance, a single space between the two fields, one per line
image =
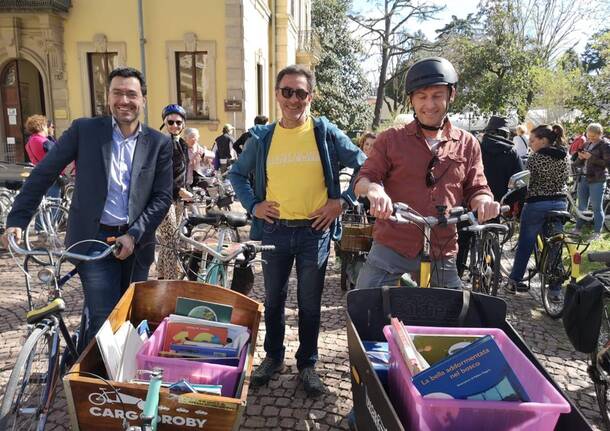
x=432 y=128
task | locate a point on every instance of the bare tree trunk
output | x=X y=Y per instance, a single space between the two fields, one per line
x=380 y=88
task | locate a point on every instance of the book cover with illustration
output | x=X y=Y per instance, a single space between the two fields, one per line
x=179 y=333
x=435 y=347
x=478 y=371
x=204 y=309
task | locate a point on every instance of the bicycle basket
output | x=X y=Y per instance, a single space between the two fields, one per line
x=357 y=233
x=582 y=313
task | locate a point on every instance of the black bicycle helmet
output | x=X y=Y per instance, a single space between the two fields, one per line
x=173 y=109
x=430 y=71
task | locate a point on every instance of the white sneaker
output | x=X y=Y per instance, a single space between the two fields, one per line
x=595 y=237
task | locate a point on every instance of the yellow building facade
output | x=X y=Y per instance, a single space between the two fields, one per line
x=218 y=58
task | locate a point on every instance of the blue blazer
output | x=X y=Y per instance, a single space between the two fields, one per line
x=336 y=151
x=88 y=141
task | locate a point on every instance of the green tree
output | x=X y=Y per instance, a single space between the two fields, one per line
x=495 y=71
x=342 y=88
x=593 y=91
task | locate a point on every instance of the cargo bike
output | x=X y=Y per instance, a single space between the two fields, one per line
x=369 y=311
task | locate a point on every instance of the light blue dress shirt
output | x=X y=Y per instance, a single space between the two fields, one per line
x=116 y=208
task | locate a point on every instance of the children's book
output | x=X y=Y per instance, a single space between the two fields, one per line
x=238 y=335
x=178 y=333
x=477 y=371
x=232 y=361
x=435 y=347
x=219 y=352
x=204 y=309
x=119 y=350
x=413 y=359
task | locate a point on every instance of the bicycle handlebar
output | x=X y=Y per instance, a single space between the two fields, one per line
x=61 y=254
x=405 y=214
x=599 y=256
x=248 y=248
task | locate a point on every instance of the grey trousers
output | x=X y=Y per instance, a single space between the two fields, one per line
x=384 y=267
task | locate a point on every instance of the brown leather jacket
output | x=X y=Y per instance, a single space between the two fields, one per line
x=599 y=162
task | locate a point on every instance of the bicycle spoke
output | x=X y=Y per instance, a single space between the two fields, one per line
x=29 y=385
x=554 y=276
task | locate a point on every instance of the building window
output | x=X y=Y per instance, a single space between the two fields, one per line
x=99 y=65
x=193 y=84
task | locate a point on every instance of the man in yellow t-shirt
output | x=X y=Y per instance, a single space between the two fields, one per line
x=295 y=201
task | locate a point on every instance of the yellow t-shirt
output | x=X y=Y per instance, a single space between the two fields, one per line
x=295 y=178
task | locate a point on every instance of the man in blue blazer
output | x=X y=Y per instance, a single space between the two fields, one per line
x=123 y=190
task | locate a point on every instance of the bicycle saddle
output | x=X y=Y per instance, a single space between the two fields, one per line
x=562 y=216
x=56 y=306
x=233 y=219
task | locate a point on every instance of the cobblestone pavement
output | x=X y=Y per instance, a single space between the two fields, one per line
x=283 y=404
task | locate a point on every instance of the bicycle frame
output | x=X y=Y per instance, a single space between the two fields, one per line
x=404 y=214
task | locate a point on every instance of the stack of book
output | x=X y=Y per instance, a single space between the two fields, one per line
x=201 y=331
x=457 y=366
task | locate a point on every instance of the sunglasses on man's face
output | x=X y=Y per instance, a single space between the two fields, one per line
x=430 y=178
x=287 y=93
x=176 y=122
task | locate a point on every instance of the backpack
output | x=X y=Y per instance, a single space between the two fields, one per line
x=582 y=313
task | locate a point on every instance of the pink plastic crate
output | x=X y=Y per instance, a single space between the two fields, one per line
x=175 y=369
x=428 y=414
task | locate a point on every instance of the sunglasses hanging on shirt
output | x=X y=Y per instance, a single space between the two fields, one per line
x=430 y=178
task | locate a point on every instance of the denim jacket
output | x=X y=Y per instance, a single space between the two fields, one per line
x=336 y=151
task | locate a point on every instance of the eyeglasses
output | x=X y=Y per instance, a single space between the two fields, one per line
x=430 y=178
x=287 y=93
x=172 y=122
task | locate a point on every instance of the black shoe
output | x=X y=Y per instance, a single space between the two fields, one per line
x=311 y=382
x=522 y=287
x=265 y=371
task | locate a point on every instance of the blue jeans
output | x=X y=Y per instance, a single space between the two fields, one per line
x=310 y=249
x=384 y=267
x=593 y=192
x=105 y=281
x=532 y=221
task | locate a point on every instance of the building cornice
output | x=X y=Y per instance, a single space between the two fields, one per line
x=35 y=5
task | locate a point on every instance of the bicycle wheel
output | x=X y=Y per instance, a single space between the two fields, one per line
x=47 y=230
x=599 y=368
x=506 y=264
x=5 y=207
x=30 y=384
x=555 y=269
x=510 y=237
x=490 y=257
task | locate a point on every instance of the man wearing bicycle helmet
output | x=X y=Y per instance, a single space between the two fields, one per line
x=174 y=120
x=427 y=164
